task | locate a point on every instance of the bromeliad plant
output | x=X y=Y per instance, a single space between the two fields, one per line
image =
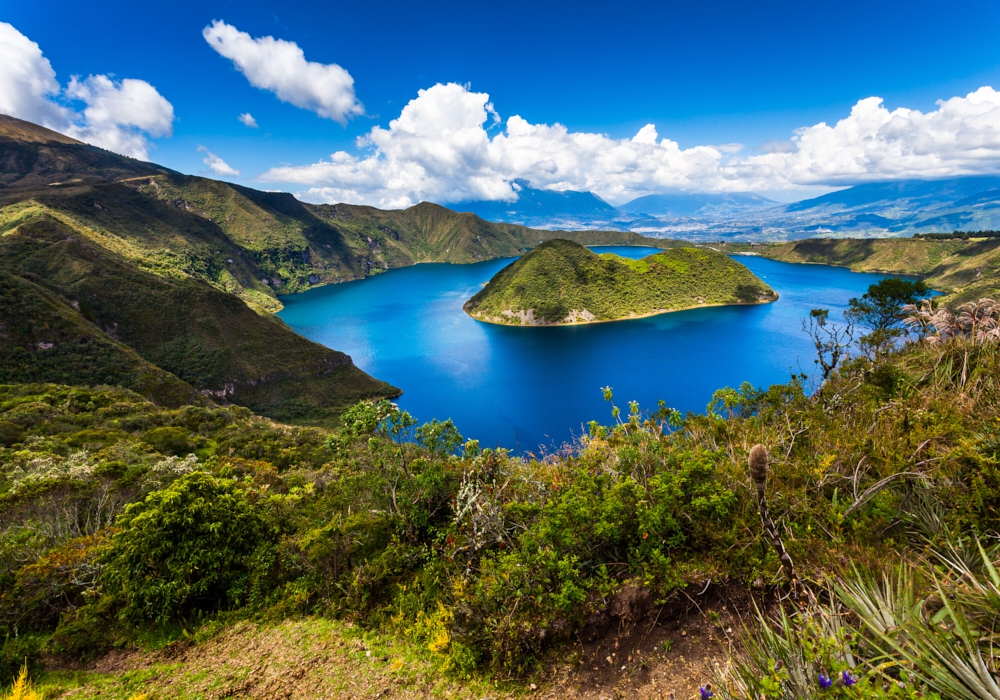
x=918 y=632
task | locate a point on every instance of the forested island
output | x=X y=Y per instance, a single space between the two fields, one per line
x=562 y=283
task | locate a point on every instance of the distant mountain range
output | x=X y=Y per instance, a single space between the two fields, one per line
x=674 y=205
x=543 y=205
x=898 y=208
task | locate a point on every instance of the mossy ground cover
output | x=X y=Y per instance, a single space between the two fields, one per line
x=561 y=281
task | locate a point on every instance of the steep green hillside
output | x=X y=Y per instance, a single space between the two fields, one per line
x=561 y=282
x=964 y=270
x=106 y=320
x=45 y=338
x=257 y=245
x=33 y=156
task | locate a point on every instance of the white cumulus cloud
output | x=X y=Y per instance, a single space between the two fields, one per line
x=216 y=164
x=440 y=149
x=28 y=83
x=281 y=67
x=118 y=115
x=247 y=120
x=960 y=137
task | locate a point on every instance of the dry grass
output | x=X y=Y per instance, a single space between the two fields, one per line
x=673 y=649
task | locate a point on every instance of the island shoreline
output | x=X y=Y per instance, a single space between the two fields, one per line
x=616 y=320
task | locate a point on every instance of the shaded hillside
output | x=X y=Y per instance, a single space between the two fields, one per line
x=561 y=282
x=209 y=339
x=258 y=245
x=175 y=277
x=44 y=337
x=31 y=156
x=963 y=270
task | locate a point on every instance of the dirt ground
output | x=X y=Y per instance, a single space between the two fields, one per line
x=632 y=650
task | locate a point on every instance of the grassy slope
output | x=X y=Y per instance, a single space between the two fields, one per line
x=964 y=270
x=559 y=277
x=208 y=338
x=33 y=156
x=43 y=338
x=305 y=658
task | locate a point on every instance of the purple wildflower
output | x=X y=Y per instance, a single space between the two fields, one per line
x=824 y=681
x=847 y=679
x=706 y=692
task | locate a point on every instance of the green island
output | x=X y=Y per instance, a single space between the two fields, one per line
x=196 y=502
x=560 y=282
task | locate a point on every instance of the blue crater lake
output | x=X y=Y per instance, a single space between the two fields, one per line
x=523 y=388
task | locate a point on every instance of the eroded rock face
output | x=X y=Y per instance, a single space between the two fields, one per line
x=579 y=316
x=528 y=318
x=525 y=318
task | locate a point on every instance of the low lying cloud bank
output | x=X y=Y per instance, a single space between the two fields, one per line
x=440 y=149
x=118 y=115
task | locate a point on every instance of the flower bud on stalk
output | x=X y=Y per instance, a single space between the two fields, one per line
x=757 y=463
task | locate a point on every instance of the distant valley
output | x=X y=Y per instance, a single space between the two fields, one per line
x=873 y=210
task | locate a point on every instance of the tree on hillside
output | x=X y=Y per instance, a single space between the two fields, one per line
x=879 y=311
x=832 y=341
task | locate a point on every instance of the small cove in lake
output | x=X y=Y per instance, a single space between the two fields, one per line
x=521 y=387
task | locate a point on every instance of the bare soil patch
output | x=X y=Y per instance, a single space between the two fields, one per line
x=632 y=650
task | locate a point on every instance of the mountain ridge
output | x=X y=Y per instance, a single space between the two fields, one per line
x=884 y=209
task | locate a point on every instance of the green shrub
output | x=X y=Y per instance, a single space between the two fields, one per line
x=18 y=651
x=10 y=434
x=183 y=550
x=170 y=441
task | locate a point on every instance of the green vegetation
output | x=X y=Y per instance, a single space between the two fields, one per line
x=965 y=270
x=562 y=282
x=123 y=523
x=960 y=235
x=145 y=517
x=80 y=314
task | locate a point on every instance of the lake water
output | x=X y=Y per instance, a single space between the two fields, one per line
x=525 y=387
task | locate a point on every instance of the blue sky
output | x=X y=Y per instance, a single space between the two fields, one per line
x=703 y=74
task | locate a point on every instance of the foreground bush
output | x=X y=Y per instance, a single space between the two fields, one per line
x=918 y=631
x=182 y=550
